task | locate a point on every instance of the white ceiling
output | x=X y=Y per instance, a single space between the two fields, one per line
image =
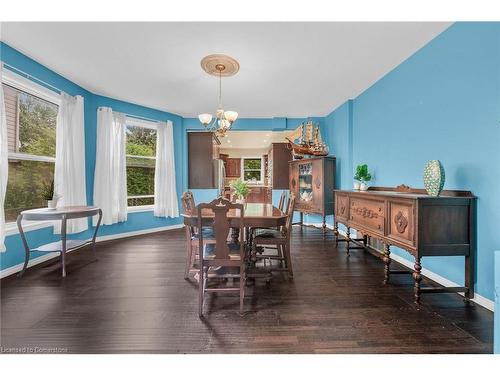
x=287 y=69
x=252 y=139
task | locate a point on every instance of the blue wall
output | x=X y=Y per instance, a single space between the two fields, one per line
x=136 y=221
x=441 y=103
x=496 y=346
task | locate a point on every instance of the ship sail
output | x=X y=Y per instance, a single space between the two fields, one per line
x=309 y=132
x=296 y=134
x=317 y=136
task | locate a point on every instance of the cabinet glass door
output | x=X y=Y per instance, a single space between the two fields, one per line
x=305 y=182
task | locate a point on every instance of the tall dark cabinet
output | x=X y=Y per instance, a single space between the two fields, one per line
x=313 y=182
x=278 y=158
x=202 y=149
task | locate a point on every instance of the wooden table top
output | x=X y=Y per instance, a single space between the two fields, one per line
x=251 y=210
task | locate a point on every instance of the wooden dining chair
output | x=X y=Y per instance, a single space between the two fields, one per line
x=223 y=255
x=192 y=255
x=277 y=237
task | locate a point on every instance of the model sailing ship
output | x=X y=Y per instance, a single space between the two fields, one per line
x=309 y=140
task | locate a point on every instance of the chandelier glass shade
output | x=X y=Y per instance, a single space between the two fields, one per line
x=223 y=120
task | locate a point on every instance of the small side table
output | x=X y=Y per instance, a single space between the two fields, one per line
x=64 y=245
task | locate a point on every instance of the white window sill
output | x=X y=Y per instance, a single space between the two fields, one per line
x=140 y=208
x=28 y=226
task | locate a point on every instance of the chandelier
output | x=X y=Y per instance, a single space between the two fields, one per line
x=220 y=66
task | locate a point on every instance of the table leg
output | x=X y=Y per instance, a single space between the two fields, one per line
x=25 y=245
x=95 y=234
x=63 y=241
x=418 y=278
x=324 y=225
x=387 y=263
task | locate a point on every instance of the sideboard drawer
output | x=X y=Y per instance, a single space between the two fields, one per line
x=368 y=213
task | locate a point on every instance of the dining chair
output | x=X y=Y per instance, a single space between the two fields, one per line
x=223 y=255
x=277 y=237
x=192 y=255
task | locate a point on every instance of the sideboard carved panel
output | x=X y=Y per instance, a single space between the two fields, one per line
x=401 y=221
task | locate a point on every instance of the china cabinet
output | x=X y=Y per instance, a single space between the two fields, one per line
x=313 y=182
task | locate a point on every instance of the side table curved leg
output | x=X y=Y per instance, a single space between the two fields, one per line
x=25 y=244
x=95 y=234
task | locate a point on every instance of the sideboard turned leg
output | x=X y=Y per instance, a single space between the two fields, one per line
x=336 y=232
x=348 y=238
x=387 y=263
x=324 y=225
x=417 y=276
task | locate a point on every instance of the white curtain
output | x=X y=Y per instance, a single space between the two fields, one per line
x=166 y=204
x=4 y=165
x=110 y=177
x=69 y=175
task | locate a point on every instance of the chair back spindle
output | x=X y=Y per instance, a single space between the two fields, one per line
x=289 y=212
x=281 y=204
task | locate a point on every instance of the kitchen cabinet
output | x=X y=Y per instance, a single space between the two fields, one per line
x=259 y=194
x=233 y=167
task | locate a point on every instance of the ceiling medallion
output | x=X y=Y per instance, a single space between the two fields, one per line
x=220 y=66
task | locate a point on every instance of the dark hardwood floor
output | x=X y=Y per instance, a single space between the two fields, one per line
x=134 y=299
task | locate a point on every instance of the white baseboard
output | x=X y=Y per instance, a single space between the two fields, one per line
x=32 y=262
x=479 y=299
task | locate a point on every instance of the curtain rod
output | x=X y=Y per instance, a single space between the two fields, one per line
x=29 y=76
x=133 y=116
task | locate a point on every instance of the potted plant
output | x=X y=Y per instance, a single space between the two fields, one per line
x=362 y=177
x=48 y=194
x=241 y=190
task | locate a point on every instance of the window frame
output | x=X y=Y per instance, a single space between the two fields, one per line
x=148 y=124
x=18 y=82
x=242 y=172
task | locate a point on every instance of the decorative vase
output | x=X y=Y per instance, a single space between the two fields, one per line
x=240 y=200
x=434 y=177
x=363 y=186
x=356 y=185
x=52 y=204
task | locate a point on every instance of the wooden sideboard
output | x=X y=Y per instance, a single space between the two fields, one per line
x=414 y=221
x=312 y=180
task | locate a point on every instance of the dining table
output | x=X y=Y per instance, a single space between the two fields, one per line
x=255 y=215
x=262 y=215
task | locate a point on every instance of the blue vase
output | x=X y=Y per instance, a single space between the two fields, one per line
x=434 y=177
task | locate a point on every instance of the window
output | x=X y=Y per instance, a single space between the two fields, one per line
x=252 y=169
x=31 y=139
x=141 y=161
